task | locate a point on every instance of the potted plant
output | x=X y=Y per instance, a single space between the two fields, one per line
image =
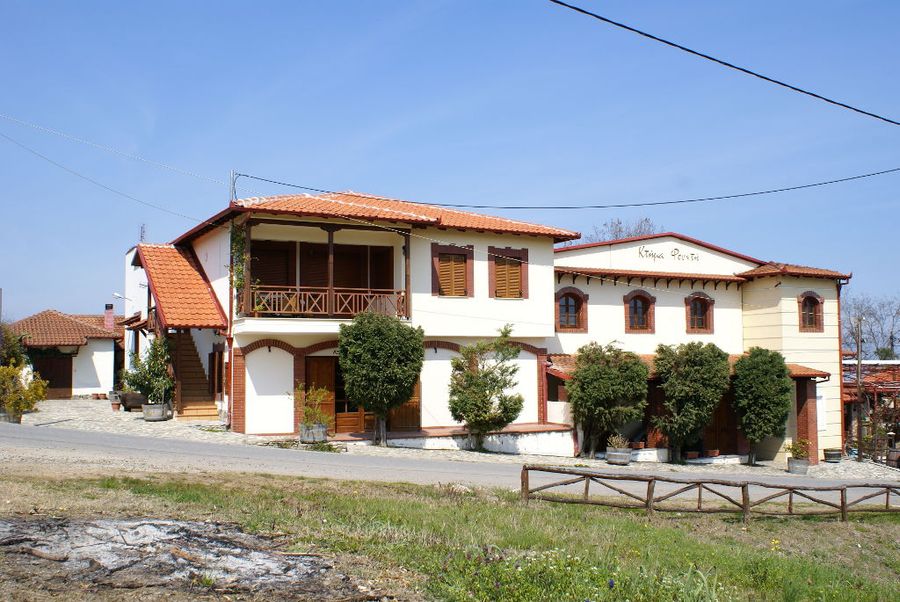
x=833 y=454
x=691 y=455
x=150 y=376
x=617 y=450
x=637 y=445
x=114 y=401
x=798 y=462
x=17 y=394
x=712 y=453
x=314 y=421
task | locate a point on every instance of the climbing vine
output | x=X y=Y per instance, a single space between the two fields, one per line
x=238 y=256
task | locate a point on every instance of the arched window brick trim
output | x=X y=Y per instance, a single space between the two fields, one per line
x=709 y=313
x=651 y=312
x=582 y=309
x=819 y=325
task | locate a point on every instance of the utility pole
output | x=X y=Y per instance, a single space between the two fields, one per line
x=859 y=389
x=233 y=191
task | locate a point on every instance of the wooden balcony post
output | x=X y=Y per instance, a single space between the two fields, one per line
x=247 y=292
x=330 y=272
x=406 y=271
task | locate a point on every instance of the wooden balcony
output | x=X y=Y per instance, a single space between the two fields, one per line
x=325 y=302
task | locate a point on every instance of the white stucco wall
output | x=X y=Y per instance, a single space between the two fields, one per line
x=269 y=391
x=606 y=316
x=135 y=292
x=664 y=254
x=93 y=367
x=213 y=251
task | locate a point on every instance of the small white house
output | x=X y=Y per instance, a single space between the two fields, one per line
x=79 y=355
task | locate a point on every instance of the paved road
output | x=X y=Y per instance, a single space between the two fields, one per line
x=104 y=452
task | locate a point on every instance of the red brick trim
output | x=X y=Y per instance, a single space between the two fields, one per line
x=238 y=391
x=710 y=302
x=819 y=313
x=582 y=309
x=247 y=349
x=332 y=344
x=807 y=417
x=468 y=251
x=521 y=255
x=651 y=312
x=442 y=345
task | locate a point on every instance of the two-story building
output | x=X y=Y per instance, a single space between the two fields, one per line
x=252 y=300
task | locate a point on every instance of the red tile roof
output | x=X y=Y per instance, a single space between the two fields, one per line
x=368 y=207
x=773 y=268
x=51 y=328
x=184 y=298
x=599 y=272
x=563 y=365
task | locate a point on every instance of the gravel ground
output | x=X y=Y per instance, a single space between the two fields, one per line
x=94 y=415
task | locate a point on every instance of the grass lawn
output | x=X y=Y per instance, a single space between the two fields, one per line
x=438 y=543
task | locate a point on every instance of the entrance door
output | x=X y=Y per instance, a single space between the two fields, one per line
x=57 y=370
x=407 y=417
x=325 y=372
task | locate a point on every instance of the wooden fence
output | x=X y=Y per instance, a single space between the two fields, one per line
x=736 y=494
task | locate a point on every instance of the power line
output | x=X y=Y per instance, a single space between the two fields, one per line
x=606 y=206
x=724 y=63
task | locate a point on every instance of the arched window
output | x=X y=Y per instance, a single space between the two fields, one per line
x=571 y=310
x=639 y=310
x=699 y=310
x=810 y=307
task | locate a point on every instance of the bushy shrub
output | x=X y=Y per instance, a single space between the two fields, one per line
x=12 y=351
x=481 y=378
x=18 y=396
x=608 y=389
x=762 y=395
x=381 y=359
x=694 y=377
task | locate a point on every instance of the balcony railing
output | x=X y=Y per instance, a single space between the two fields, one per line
x=324 y=302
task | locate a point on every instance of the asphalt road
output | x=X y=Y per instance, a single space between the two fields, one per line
x=59 y=448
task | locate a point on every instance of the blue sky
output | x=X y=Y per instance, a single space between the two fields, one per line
x=495 y=102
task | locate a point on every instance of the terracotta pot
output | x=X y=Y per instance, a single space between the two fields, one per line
x=637 y=445
x=712 y=453
x=95 y=396
x=116 y=406
x=691 y=455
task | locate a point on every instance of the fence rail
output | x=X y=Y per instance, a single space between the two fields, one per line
x=736 y=494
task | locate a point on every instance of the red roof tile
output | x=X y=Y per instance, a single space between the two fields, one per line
x=368 y=207
x=184 y=299
x=786 y=269
x=564 y=365
x=599 y=272
x=51 y=328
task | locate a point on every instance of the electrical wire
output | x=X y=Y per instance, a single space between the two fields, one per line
x=606 y=206
x=725 y=63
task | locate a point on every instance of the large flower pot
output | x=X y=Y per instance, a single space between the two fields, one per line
x=620 y=456
x=798 y=466
x=155 y=412
x=833 y=455
x=11 y=418
x=313 y=433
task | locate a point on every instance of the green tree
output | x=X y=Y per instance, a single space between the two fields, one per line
x=608 y=388
x=481 y=377
x=381 y=360
x=694 y=377
x=762 y=395
x=18 y=396
x=149 y=375
x=12 y=351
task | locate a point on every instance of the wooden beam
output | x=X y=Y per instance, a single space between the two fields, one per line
x=246 y=293
x=330 y=271
x=407 y=251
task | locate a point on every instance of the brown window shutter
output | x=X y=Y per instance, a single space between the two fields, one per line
x=507 y=277
x=452 y=274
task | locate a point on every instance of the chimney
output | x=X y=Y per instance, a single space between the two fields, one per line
x=109 y=319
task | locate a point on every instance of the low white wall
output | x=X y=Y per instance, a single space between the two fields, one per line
x=93 y=368
x=269 y=390
x=559 y=412
x=556 y=443
x=203 y=341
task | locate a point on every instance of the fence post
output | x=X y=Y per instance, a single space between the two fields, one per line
x=844 y=504
x=587 y=487
x=651 y=486
x=745 y=501
x=525 y=492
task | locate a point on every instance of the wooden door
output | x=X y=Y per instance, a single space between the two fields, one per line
x=722 y=431
x=57 y=370
x=407 y=417
x=320 y=372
